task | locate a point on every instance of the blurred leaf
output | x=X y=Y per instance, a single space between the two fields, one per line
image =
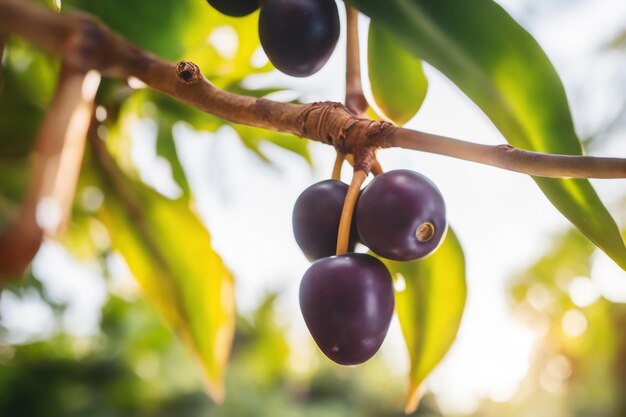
x=430 y=308
x=157 y=27
x=184 y=29
x=258 y=93
x=544 y=295
x=618 y=41
x=568 y=257
x=14 y=178
x=252 y=137
x=169 y=252
x=27 y=84
x=174 y=110
x=225 y=52
x=398 y=82
x=261 y=349
x=166 y=148
x=52 y=4
x=505 y=72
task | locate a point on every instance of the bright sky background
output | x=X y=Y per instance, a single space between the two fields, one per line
x=501 y=218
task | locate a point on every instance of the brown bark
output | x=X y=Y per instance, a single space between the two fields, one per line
x=355 y=99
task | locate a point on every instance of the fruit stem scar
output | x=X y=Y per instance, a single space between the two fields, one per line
x=425 y=232
x=188 y=72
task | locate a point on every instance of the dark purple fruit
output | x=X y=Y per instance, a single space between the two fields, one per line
x=299 y=36
x=347 y=302
x=401 y=215
x=316 y=217
x=235 y=8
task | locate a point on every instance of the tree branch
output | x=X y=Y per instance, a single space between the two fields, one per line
x=87 y=44
x=355 y=99
x=511 y=158
x=58 y=154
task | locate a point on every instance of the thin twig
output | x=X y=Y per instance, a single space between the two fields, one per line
x=343 y=235
x=355 y=99
x=513 y=159
x=90 y=45
x=337 y=166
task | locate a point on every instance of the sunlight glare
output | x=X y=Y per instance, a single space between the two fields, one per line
x=574 y=323
x=609 y=278
x=225 y=41
x=583 y=291
x=491 y=366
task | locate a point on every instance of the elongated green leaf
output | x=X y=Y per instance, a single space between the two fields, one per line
x=505 y=72
x=398 y=82
x=169 y=252
x=430 y=298
x=252 y=138
x=166 y=148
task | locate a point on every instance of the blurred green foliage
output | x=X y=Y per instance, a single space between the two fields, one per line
x=135 y=366
x=578 y=363
x=196 y=298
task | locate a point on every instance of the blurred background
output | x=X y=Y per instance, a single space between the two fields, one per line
x=544 y=329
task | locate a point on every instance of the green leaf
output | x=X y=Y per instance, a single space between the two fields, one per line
x=252 y=137
x=166 y=148
x=430 y=307
x=169 y=252
x=184 y=30
x=52 y=4
x=504 y=71
x=398 y=82
x=27 y=83
x=158 y=28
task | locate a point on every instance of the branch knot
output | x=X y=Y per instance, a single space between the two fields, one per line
x=188 y=72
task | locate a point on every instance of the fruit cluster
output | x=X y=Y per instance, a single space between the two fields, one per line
x=348 y=300
x=298 y=36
